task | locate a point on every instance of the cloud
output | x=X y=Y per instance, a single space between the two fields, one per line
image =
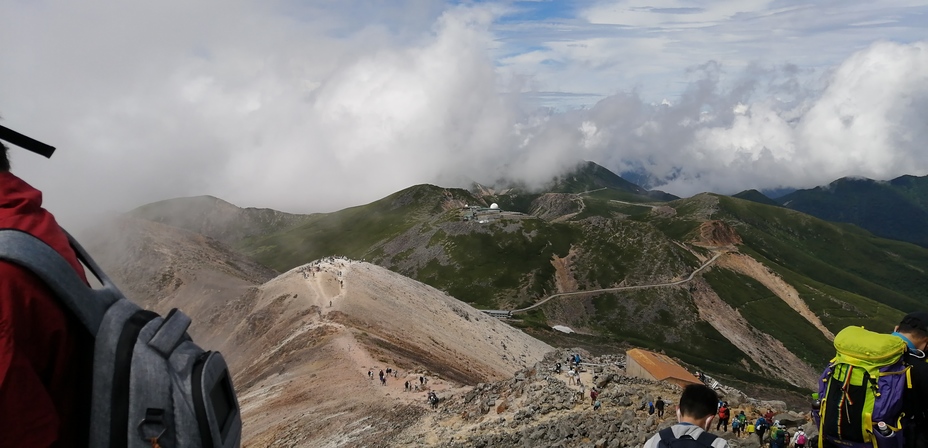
x=310 y=107
x=863 y=122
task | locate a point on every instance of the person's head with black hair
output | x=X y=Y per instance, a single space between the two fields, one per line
x=697 y=406
x=914 y=326
x=4 y=158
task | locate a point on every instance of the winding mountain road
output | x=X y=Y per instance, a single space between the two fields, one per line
x=621 y=288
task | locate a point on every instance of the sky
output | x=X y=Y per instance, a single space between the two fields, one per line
x=314 y=106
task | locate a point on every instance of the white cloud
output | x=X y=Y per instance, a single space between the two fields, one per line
x=315 y=107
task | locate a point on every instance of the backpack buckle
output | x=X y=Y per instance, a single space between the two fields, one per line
x=152 y=426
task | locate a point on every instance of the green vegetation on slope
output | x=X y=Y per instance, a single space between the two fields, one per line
x=841 y=256
x=352 y=232
x=763 y=309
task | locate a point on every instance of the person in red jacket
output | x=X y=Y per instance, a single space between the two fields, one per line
x=45 y=353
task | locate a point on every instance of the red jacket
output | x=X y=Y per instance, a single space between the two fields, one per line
x=45 y=354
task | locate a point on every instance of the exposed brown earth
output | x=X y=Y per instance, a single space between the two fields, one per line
x=763 y=349
x=750 y=267
x=300 y=345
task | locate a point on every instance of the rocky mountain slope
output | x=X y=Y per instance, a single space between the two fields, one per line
x=300 y=345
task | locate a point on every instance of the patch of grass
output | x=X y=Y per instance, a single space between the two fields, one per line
x=770 y=314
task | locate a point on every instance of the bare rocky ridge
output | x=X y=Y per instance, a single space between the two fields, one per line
x=557 y=207
x=539 y=407
x=300 y=345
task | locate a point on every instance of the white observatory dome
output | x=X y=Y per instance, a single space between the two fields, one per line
x=494 y=206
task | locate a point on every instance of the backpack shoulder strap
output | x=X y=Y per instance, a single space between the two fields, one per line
x=667 y=436
x=88 y=304
x=706 y=438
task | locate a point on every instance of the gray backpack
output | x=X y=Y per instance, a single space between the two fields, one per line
x=152 y=386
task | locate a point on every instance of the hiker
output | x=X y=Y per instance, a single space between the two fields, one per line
x=597 y=405
x=769 y=417
x=736 y=427
x=778 y=437
x=593 y=395
x=799 y=439
x=695 y=412
x=895 y=362
x=370 y=375
x=723 y=417
x=433 y=399
x=760 y=427
x=659 y=405
x=742 y=421
x=406 y=386
x=45 y=352
x=650 y=408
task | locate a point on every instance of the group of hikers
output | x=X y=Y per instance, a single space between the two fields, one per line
x=874 y=393
x=699 y=406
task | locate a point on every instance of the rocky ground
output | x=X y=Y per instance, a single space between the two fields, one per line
x=539 y=408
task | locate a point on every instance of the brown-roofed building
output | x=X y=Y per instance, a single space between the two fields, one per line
x=655 y=366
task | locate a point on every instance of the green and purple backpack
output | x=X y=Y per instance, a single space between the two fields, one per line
x=862 y=386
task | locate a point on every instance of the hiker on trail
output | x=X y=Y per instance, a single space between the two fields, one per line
x=743 y=420
x=650 y=408
x=769 y=417
x=45 y=352
x=760 y=428
x=593 y=395
x=406 y=386
x=724 y=414
x=596 y=405
x=799 y=439
x=370 y=375
x=897 y=363
x=570 y=376
x=696 y=409
x=433 y=399
x=777 y=437
x=913 y=330
x=736 y=427
x=659 y=405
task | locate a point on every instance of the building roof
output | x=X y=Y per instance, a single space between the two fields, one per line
x=661 y=366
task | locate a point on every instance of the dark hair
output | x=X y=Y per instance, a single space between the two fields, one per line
x=915 y=324
x=698 y=401
x=4 y=158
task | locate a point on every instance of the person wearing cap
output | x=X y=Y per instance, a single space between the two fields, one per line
x=913 y=329
x=45 y=354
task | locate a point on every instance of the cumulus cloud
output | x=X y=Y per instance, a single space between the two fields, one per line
x=310 y=108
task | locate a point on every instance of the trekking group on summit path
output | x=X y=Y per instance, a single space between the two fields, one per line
x=873 y=394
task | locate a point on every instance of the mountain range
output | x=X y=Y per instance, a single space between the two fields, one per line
x=776 y=286
x=895 y=209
